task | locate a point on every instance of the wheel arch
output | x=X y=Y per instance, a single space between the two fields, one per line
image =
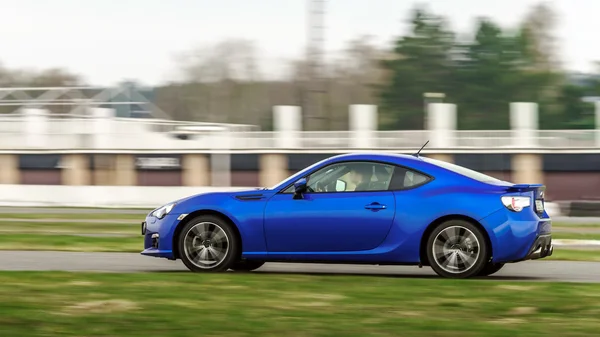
x=423 y=244
x=195 y=214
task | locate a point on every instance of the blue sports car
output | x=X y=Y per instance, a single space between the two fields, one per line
x=383 y=209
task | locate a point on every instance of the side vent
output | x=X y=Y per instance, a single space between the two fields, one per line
x=250 y=197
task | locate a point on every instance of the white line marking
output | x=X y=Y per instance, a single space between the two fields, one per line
x=576 y=242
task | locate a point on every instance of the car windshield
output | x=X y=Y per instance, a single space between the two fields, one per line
x=462 y=170
x=297 y=175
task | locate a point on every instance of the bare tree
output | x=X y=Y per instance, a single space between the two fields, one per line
x=354 y=78
x=539 y=25
x=360 y=69
x=351 y=78
x=230 y=60
x=53 y=77
x=224 y=76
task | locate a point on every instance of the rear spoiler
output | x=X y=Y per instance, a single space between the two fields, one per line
x=526 y=187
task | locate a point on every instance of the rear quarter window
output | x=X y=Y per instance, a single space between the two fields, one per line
x=405 y=178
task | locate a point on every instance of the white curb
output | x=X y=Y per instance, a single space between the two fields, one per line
x=576 y=242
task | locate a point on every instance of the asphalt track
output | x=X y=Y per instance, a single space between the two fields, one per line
x=132 y=262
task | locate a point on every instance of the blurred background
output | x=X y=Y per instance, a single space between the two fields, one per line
x=131 y=104
x=184 y=95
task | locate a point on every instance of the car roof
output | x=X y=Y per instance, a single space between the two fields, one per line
x=396 y=158
x=423 y=164
x=418 y=163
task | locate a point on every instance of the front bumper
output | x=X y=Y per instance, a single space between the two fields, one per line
x=158 y=236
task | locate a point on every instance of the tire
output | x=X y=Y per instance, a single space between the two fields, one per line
x=247 y=265
x=490 y=268
x=457 y=249
x=205 y=237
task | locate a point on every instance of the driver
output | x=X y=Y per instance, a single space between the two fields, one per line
x=360 y=175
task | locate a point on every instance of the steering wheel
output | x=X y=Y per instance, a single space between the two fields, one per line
x=321 y=187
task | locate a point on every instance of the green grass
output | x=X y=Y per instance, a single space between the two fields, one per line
x=75 y=216
x=575 y=236
x=185 y=304
x=575 y=225
x=575 y=255
x=83 y=227
x=70 y=243
x=74 y=207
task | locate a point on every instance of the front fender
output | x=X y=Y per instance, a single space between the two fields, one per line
x=247 y=215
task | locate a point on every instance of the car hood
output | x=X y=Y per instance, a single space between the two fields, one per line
x=208 y=194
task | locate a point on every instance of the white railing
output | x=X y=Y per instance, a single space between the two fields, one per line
x=151 y=134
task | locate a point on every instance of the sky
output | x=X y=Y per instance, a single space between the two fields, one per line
x=110 y=41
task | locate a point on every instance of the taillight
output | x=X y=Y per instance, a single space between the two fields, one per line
x=516 y=204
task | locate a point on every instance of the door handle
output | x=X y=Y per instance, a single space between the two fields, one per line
x=375 y=205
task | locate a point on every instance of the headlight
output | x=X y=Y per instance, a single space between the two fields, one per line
x=161 y=212
x=516 y=204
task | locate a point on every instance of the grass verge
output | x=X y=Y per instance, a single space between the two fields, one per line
x=70 y=227
x=71 y=243
x=75 y=216
x=186 y=304
x=576 y=225
x=562 y=254
x=575 y=236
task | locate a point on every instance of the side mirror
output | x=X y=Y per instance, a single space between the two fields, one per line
x=340 y=185
x=299 y=188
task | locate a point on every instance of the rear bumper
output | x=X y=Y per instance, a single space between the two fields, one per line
x=542 y=247
x=518 y=236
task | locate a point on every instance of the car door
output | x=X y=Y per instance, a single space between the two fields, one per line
x=330 y=220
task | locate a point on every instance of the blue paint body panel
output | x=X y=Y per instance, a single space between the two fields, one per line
x=336 y=227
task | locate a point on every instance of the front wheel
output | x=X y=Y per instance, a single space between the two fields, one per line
x=457 y=249
x=208 y=244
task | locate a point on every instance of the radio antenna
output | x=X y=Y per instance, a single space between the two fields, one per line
x=417 y=154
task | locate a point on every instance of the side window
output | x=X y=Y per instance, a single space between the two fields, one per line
x=349 y=177
x=325 y=180
x=328 y=179
x=405 y=178
x=413 y=179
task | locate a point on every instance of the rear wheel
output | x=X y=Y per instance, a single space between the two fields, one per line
x=208 y=244
x=490 y=268
x=247 y=265
x=457 y=249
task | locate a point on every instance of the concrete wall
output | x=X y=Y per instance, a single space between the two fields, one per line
x=567 y=176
